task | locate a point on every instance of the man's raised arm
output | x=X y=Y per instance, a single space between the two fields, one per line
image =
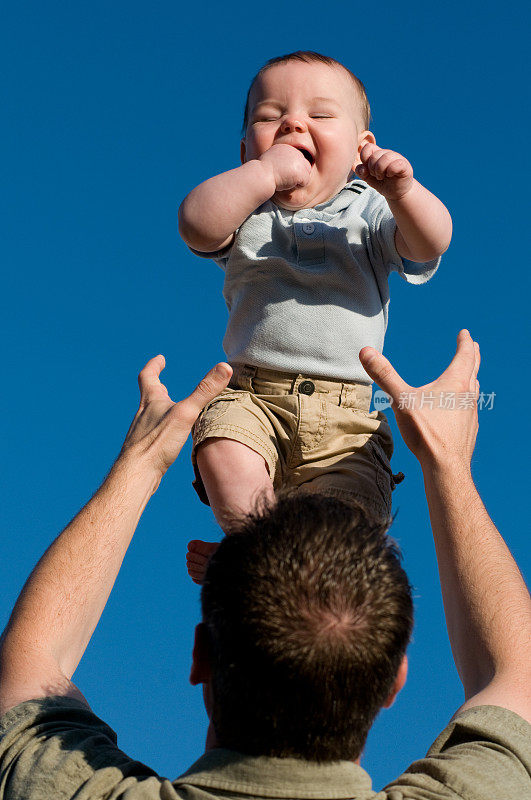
x=63 y=599
x=486 y=602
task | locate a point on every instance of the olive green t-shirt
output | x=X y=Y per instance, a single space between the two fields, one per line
x=56 y=748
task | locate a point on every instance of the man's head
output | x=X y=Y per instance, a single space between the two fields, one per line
x=307 y=614
x=316 y=104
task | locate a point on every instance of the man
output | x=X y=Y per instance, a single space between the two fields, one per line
x=54 y=747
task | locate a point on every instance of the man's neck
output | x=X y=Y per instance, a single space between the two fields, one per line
x=212 y=742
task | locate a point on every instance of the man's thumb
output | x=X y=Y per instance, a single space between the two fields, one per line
x=380 y=370
x=212 y=384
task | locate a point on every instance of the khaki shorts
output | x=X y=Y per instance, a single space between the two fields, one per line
x=314 y=434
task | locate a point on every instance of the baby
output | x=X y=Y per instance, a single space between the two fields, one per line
x=307 y=251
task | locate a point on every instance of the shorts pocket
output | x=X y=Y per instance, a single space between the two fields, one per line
x=217 y=408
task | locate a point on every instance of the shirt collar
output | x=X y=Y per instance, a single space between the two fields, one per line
x=333 y=206
x=343 y=199
x=264 y=776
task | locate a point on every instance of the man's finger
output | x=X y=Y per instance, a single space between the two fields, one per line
x=380 y=370
x=212 y=384
x=473 y=385
x=149 y=376
x=463 y=363
x=478 y=359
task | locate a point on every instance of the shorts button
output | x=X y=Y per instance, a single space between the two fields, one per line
x=306 y=387
x=308 y=228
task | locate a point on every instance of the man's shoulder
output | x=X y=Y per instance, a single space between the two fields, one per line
x=484 y=752
x=489 y=724
x=57 y=747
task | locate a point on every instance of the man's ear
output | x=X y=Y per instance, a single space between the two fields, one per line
x=242 y=151
x=400 y=680
x=365 y=137
x=200 y=671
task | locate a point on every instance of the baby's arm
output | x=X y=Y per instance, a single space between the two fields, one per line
x=210 y=214
x=424 y=226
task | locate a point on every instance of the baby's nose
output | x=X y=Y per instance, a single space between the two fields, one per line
x=293 y=123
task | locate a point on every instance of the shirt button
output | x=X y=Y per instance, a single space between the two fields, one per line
x=308 y=228
x=306 y=387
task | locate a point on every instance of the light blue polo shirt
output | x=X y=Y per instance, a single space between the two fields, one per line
x=306 y=290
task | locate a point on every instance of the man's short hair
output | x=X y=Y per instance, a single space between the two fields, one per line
x=308 y=613
x=308 y=56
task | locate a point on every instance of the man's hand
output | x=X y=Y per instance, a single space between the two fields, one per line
x=434 y=432
x=161 y=427
x=288 y=166
x=386 y=171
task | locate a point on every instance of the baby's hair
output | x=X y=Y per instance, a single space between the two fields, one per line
x=308 y=56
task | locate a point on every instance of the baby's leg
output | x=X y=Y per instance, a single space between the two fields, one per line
x=235 y=478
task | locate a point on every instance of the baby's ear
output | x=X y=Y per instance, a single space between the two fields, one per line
x=242 y=151
x=365 y=137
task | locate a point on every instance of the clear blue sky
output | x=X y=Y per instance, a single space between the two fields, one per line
x=112 y=112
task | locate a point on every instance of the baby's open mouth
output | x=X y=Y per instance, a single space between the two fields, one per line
x=307 y=155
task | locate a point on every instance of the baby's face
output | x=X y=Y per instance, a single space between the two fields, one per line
x=314 y=107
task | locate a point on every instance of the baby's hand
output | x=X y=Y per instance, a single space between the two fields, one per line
x=386 y=171
x=288 y=165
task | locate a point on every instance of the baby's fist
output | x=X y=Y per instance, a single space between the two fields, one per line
x=386 y=171
x=289 y=167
